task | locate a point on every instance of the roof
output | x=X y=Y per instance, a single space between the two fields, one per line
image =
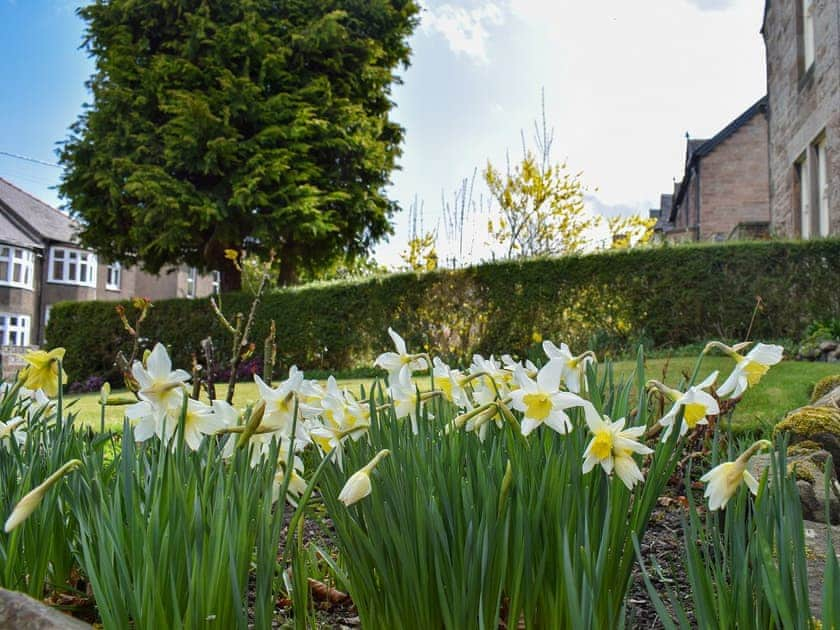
x=695 y=151
x=12 y=234
x=45 y=221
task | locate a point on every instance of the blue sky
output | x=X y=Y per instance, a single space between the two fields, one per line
x=623 y=83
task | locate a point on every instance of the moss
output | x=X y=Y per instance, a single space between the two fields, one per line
x=805 y=447
x=810 y=421
x=825 y=385
x=802 y=471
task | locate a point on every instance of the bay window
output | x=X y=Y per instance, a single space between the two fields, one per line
x=72 y=266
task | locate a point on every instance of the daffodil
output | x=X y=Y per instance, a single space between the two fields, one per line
x=697 y=405
x=41 y=371
x=280 y=405
x=393 y=362
x=160 y=385
x=723 y=480
x=542 y=402
x=612 y=446
x=404 y=396
x=297 y=484
x=449 y=382
x=10 y=431
x=749 y=368
x=29 y=503
x=358 y=486
x=573 y=368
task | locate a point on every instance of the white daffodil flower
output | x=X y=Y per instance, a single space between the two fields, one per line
x=749 y=368
x=297 y=484
x=573 y=371
x=541 y=401
x=448 y=381
x=613 y=447
x=723 y=480
x=159 y=383
x=357 y=416
x=280 y=405
x=697 y=405
x=393 y=362
x=146 y=420
x=12 y=431
x=404 y=395
x=358 y=486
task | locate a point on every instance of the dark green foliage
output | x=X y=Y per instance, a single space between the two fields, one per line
x=219 y=124
x=669 y=296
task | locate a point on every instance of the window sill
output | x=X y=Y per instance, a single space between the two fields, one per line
x=12 y=285
x=112 y=288
x=68 y=283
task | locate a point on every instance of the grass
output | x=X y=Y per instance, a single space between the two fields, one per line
x=786 y=387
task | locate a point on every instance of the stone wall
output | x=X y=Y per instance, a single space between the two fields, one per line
x=733 y=181
x=802 y=106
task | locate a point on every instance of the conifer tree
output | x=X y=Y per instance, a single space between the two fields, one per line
x=231 y=124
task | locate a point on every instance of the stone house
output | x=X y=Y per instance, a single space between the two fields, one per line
x=41 y=263
x=802 y=42
x=724 y=190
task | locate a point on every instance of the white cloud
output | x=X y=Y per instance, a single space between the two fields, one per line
x=465 y=30
x=712 y=5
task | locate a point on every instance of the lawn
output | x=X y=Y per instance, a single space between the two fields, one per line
x=787 y=386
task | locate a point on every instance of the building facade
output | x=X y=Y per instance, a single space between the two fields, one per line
x=724 y=190
x=41 y=263
x=802 y=42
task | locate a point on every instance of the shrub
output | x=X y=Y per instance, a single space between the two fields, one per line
x=666 y=297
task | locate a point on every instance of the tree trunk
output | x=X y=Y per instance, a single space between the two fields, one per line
x=288 y=275
x=231 y=277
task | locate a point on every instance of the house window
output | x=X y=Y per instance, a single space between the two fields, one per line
x=17 y=267
x=803 y=176
x=821 y=193
x=217 y=282
x=812 y=179
x=72 y=266
x=113 y=276
x=14 y=329
x=192 y=276
x=806 y=36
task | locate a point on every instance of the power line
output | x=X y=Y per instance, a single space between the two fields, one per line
x=28 y=159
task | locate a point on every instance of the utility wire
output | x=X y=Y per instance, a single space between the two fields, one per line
x=28 y=159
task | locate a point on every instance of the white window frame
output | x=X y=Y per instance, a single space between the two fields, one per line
x=217 y=282
x=22 y=329
x=69 y=256
x=821 y=193
x=22 y=258
x=192 y=281
x=113 y=276
x=808 y=34
x=803 y=170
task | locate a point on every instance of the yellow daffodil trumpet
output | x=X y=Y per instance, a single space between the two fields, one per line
x=723 y=480
x=42 y=371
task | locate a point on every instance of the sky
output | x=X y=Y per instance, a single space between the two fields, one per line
x=623 y=82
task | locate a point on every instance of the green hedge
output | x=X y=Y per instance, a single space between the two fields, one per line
x=666 y=296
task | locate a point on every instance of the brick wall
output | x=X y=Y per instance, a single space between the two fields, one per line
x=802 y=105
x=733 y=181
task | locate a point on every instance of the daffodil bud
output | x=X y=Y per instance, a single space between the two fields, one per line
x=358 y=486
x=33 y=498
x=104 y=392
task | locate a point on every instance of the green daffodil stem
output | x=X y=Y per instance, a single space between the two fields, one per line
x=368 y=468
x=744 y=457
x=461 y=420
x=492 y=381
x=429 y=395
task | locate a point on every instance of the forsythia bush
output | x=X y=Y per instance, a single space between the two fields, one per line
x=666 y=296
